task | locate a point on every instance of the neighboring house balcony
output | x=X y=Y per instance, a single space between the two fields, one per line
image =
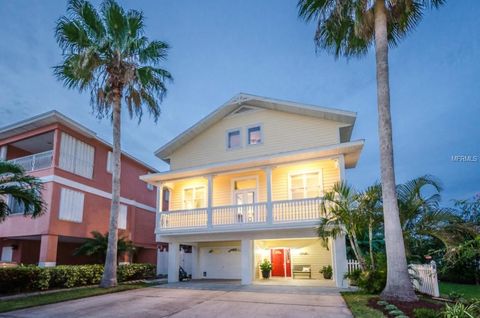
x=34 y=153
x=275 y=192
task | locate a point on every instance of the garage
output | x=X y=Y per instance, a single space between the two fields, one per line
x=220 y=262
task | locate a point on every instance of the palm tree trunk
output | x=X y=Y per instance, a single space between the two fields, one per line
x=109 y=278
x=398 y=285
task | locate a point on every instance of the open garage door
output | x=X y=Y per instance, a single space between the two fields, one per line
x=220 y=262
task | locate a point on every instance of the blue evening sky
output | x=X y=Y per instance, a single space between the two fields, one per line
x=220 y=48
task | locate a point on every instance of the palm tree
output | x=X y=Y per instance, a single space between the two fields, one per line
x=349 y=28
x=97 y=246
x=422 y=217
x=107 y=53
x=340 y=206
x=24 y=190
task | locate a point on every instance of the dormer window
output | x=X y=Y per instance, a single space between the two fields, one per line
x=254 y=135
x=234 y=139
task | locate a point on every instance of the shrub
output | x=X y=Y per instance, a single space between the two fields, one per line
x=390 y=307
x=33 y=278
x=425 y=313
x=23 y=278
x=372 y=281
x=354 y=276
x=396 y=313
x=460 y=310
x=382 y=303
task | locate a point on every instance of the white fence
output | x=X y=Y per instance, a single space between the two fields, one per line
x=352 y=265
x=424 y=276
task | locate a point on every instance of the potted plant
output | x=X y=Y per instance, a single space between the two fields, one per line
x=327 y=272
x=266 y=267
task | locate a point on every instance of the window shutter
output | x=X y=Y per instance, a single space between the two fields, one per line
x=71 y=205
x=76 y=156
x=110 y=162
x=122 y=217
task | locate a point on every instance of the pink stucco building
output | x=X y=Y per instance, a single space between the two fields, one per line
x=74 y=165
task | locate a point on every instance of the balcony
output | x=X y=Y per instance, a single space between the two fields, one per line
x=36 y=161
x=276 y=214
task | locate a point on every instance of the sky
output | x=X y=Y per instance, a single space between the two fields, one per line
x=220 y=48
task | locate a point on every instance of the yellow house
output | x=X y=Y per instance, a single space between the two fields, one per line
x=245 y=184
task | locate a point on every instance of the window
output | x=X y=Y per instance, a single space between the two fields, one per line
x=234 y=139
x=71 y=205
x=110 y=162
x=122 y=217
x=16 y=207
x=194 y=198
x=76 y=156
x=166 y=199
x=150 y=187
x=306 y=185
x=7 y=254
x=254 y=135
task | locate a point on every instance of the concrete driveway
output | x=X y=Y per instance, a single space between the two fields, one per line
x=205 y=299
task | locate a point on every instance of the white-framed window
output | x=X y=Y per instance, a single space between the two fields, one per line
x=76 y=156
x=109 y=162
x=305 y=185
x=71 y=205
x=194 y=197
x=122 y=217
x=234 y=139
x=254 y=135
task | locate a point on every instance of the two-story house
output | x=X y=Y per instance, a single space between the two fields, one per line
x=75 y=167
x=245 y=184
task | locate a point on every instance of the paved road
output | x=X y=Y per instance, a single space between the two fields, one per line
x=201 y=300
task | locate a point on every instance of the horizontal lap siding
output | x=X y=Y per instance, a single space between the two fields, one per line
x=314 y=254
x=222 y=184
x=281 y=132
x=280 y=175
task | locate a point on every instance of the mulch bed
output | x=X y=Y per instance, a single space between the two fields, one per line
x=407 y=308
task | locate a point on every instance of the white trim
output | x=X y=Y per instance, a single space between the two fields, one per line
x=95 y=191
x=227 y=138
x=247 y=135
x=194 y=187
x=301 y=172
x=234 y=192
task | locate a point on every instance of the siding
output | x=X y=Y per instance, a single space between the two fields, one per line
x=281 y=132
x=302 y=251
x=222 y=184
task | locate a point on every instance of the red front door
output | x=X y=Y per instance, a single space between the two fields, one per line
x=278 y=262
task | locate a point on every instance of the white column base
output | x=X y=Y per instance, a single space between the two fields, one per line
x=247 y=262
x=47 y=264
x=173 y=262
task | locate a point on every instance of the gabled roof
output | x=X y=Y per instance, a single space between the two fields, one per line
x=55 y=117
x=341 y=116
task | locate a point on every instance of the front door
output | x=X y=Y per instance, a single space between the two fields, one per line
x=278 y=262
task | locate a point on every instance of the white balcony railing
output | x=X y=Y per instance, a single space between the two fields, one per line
x=237 y=216
x=35 y=162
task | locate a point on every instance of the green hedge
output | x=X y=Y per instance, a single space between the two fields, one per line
x=34 y=278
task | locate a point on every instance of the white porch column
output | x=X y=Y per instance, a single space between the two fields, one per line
x=173 y=262
x=209 y=200
x=247 y=261
x=3 y=152
x=195 y=263
x=341 y=166
x=268 y=175
x=159 y=206
x=339 y=256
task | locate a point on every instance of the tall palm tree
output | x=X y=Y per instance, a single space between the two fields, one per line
x=24 y=190
x=349 y=28
x=107 y=53
x=97 y=246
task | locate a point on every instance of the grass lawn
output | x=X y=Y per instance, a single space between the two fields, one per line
x=37 y=300
x=357 y=303
x=468 y=291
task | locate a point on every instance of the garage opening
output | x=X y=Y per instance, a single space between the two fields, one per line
x=220 y=260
